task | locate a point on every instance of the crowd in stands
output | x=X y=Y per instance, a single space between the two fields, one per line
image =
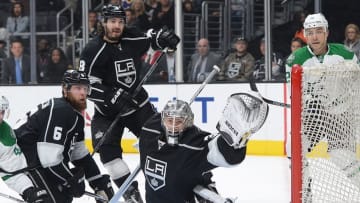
x=238 y=65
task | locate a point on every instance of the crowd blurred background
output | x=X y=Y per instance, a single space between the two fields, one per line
x=40 y=39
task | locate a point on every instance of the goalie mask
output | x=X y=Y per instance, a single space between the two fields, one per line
x=176 y=117
x=4 y=108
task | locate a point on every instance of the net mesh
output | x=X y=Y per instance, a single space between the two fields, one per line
x=330 y=136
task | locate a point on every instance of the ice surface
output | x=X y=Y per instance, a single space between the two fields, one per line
x=258 y=179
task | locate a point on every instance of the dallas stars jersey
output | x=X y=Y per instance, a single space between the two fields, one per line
x=171 y=172
x=11 y=160
x=305 y=57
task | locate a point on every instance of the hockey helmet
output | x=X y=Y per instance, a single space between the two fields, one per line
x=4 y=106
x=113 y=11
x=315 y=20
x=176 y=117
x=72 y=77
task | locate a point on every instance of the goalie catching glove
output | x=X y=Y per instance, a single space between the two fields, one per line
x=243 y=115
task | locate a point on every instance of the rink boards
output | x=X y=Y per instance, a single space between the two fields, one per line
x=207 y=107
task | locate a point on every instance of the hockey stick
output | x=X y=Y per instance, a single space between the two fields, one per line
x=211 y=195
x=254 y=88
x=96 y=196
x=215 y=70
x=136 y=91
x=129 y=179
x=11 y=198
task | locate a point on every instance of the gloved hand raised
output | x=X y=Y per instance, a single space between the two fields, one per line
x=243 y=115
x=36 y=195
x=167 y=38
x=102 y=186
x=76 y=183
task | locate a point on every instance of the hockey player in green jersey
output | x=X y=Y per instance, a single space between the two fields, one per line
x=12 y=161
x=318 y=51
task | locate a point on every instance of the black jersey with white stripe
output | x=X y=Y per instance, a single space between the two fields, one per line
x=51 y=136
x=114 y=65
x=171 y=172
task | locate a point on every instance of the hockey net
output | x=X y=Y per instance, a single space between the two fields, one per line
x=325 y=130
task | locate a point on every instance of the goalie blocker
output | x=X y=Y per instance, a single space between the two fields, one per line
x=253 y=112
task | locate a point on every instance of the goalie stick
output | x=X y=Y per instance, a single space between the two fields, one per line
x=129 y=179
x=254 y=88
x=136 y=91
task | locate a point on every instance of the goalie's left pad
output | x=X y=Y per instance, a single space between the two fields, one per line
x=243 y=115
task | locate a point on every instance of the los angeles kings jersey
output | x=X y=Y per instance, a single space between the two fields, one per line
x=52 y=135
x=114 y=65
x=171 y=172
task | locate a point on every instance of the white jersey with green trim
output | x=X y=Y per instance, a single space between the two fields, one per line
x=305 y=57
x=12 y=159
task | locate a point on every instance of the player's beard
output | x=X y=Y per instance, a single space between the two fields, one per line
x=110 y=36
x=78 y=105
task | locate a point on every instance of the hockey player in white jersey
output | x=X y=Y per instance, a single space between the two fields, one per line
x=13 y=162
x=174 y=153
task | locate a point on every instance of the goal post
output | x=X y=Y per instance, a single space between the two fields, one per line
x=325 y=132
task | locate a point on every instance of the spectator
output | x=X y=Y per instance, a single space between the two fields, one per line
x=299 y=18
x=57 y=66
x=202 y=62
x=16 y=68
x=139 y=8
x=166 y=68
x=93 y=25
x=43 y=58
x=164 y=15
x=239 y=65
x=150 y=6
x=296 y=43
x=131 y=20
x=17 y=22
x=277 y=65
x=188 y=6
x=352 y=38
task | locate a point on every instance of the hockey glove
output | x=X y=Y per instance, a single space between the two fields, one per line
x=121 y=101
x=36 y=195
x=164 y=38
x=102 y=187
x=243 y=115
x=76 y=184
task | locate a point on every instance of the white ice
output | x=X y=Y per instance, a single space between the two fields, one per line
x=257 y=179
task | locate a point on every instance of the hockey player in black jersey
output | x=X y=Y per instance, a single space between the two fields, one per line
x=175 y=154
x=52 y=136
x=112 y=62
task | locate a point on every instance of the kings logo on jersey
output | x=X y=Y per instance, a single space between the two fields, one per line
x=155 y=172
x=125 y=72
x=234 y=69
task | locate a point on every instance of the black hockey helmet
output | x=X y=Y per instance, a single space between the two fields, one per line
x=113 y=11
x=72 y=77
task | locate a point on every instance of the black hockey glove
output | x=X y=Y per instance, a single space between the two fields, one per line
x=121 y=101
x=167 y=38
x=36 y=195
x=76 y=184
x=102 y=187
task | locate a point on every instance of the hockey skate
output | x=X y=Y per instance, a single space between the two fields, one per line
x=132 y=194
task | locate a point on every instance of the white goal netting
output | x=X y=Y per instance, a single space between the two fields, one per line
x=330 y=133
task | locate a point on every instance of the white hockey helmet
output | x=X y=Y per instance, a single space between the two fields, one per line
x=176 y=117
x=316 y=20
x=4 y=106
